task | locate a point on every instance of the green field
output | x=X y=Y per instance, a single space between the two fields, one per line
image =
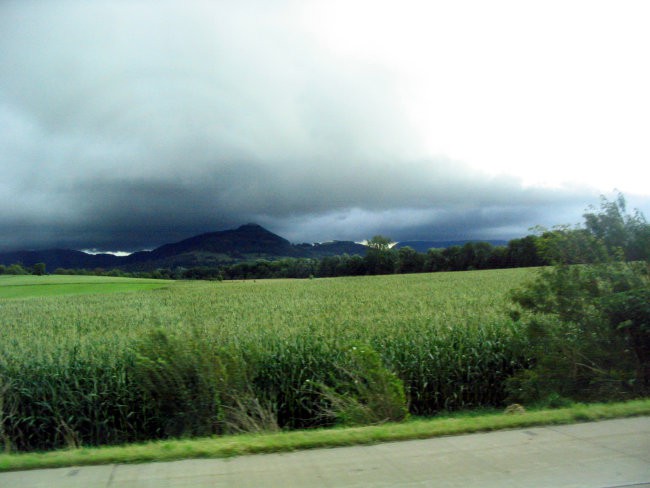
x=29 y=286
x=195 y=358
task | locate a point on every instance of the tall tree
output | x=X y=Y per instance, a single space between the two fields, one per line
x=409 y=260
x=380 y=258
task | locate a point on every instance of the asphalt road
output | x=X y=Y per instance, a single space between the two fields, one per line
x=613 y=453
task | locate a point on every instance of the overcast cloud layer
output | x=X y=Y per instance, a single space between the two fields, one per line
x=126 y=125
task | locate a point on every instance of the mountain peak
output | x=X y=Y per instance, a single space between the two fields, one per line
x=250 y=225
x=248 y=242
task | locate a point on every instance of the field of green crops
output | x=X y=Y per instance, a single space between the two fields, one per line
x=197 y=358
x=28 y=286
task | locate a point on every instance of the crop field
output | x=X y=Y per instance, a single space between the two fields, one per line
x=28 y=286
x=201 y=358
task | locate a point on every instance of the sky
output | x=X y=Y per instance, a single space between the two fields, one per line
x=125 y=125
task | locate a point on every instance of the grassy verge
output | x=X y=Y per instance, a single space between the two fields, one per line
x=227 y=446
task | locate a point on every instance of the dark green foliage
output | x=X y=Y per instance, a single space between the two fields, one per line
x=565 y=246
x=380 y=258
x=588 y=323
x=524 y=252
x=283 y=268
x=16 y=269
x=629 y=312
x=435 y=261
x=329 y=266
x=618 y=231
x=470 y=256
x=409 y=260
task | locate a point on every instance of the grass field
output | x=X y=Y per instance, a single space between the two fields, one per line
x=29 y=286
x=195 y=358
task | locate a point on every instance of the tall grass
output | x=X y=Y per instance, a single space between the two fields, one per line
x=208 y=358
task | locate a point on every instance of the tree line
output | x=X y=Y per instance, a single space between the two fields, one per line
x=380 y=259
x=19 y=269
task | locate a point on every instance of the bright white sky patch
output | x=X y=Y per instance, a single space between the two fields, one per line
x=114 y=253
x=551 y=92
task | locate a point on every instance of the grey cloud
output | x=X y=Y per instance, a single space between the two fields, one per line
x=126 y=125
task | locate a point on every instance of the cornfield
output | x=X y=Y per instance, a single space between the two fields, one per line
x=204 y=358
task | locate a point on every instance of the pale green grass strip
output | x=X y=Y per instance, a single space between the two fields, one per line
x=54 y=285
x=219 y=447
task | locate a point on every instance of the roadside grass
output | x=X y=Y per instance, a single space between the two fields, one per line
x=30 y=286
x=228 y=446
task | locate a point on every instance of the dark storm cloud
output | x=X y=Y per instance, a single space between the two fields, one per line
x=126 y=125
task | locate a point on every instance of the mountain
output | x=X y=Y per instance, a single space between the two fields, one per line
x=246 y=243
x=60 y=258
x=424 y=246
x=333 y=248
x=247 y=239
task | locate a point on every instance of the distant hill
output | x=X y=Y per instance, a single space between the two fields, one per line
x=248 y=242
x=424 y=246
x=60 y=258
x=333 y=248
x=247 y=239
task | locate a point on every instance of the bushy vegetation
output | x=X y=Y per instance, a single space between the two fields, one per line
x=14 y=269
x=209 y=358
x=588 y=316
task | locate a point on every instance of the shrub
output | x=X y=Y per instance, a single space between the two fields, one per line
x=589 y=324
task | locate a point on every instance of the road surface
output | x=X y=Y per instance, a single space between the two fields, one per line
x=613 y=453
